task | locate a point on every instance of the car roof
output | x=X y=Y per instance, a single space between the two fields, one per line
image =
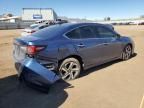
x=79 y=24
x=73 y=25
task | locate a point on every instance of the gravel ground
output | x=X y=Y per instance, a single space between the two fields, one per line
x=113 y=85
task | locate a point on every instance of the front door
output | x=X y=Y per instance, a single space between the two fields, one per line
x=113 y=47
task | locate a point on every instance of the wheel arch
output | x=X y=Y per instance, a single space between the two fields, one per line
x=130 y=45
x=127 y=45
x=72 y=56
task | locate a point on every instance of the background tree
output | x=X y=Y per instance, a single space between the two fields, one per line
x=107 y=19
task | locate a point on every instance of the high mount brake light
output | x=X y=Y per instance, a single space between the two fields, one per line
x=32 y=50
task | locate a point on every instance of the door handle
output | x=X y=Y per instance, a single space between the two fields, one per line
x=81 y=45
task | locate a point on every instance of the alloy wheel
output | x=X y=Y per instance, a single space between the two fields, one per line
x=69 y=70
x=127 y=52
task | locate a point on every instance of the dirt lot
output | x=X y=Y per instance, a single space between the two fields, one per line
x=113 y=85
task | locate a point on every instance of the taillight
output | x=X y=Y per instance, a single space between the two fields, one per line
x=32 y=50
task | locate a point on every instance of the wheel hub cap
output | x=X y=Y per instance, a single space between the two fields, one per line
x=69 y=70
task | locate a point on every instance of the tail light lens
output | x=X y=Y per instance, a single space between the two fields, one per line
x=32 y=50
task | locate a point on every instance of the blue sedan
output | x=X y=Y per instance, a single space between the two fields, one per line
x=66 y=49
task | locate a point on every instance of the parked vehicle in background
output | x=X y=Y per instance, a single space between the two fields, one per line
x=60 y=21
x=69 y=48
x=40 y=25
x=38 y=22
x=141 y=23
x=32 y=29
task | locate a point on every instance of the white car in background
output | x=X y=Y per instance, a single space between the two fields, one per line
x=38 y=23
x=32 y=29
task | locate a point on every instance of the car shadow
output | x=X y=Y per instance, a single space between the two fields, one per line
x=96 y=68
x=13 y=94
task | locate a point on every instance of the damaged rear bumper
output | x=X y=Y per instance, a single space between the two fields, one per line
x=35 y=73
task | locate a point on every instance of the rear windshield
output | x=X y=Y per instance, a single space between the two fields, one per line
x=49 y=32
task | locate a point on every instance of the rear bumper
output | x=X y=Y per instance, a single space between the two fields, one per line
x=35 y=73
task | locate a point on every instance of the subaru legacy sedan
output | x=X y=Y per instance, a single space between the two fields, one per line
x=68 y=49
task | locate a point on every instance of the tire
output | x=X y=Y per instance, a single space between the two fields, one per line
x=127 y=53
x=69 y=69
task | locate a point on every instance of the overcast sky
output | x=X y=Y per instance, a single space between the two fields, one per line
x=90 y=9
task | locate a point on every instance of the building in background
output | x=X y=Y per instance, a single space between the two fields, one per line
x=9 y=18
x=13 y=19
x=35 y=14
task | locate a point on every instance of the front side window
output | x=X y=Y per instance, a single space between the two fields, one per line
x=105 y=33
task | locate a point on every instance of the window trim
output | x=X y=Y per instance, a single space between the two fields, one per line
x=64 y=34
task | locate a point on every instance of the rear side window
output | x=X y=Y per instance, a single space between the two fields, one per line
x=105 y=32
x=87 y=32
x=74 y=34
